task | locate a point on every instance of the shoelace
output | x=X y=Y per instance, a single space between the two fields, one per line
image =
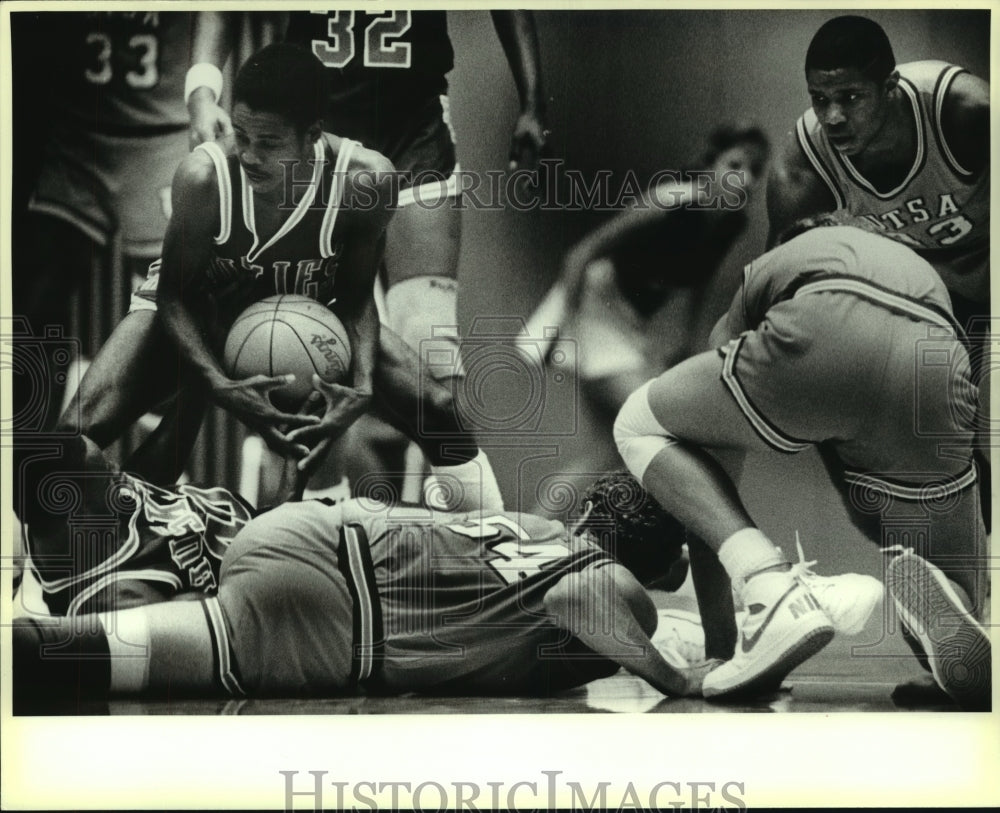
x=802 y=570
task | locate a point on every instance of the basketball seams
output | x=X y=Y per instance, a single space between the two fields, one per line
x=234 y=367
x=324 y=343
x=295 y=334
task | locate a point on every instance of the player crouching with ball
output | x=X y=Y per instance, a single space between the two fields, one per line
x=279 y=207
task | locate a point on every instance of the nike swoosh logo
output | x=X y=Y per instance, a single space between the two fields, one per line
x=748 y=642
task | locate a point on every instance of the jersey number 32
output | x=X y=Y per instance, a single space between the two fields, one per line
x=380 y=44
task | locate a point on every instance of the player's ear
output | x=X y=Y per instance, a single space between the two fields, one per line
x=891 y=81
x=314 y=132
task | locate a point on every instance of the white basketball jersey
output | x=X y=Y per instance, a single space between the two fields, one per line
x=940 y=208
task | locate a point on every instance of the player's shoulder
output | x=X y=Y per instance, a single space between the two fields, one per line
x=362 y=158
x=923 y=72
x=196 y=171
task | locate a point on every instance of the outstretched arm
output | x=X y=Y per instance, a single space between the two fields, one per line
x=516 y=30
x=212 y=41
x=609 y=611
x=655 y=207
x=794 y=190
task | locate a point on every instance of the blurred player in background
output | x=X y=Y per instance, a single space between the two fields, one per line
x=631 y=291
x=317 y=599
x=824 y=345
x=389 y=92
x=111 y=82
x=906 y=147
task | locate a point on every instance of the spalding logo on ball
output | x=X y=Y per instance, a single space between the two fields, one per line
x=285 y=334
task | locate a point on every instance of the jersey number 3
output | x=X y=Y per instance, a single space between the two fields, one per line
x=381 y=46
x=516 y=558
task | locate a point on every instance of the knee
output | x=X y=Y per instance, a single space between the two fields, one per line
x=638 y=434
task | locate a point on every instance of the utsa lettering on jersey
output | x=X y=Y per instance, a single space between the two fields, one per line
x=128 y=67
x=939 y=206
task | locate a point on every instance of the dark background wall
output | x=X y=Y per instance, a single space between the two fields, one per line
x=639 y=90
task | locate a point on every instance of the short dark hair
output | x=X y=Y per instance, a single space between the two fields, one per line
x=285 y=79
x=851 y=42
x=727 y=136
x=625 y=520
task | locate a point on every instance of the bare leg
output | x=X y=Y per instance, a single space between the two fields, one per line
x=697 y=415
x=161 y=647
x=421 y=242
x=135 y=369
x=50 y=268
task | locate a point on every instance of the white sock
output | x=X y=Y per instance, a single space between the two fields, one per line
x=747 y=552
x=468 y=486
x=128 y=642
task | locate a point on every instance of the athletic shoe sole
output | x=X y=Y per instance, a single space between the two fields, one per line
x=957 y=646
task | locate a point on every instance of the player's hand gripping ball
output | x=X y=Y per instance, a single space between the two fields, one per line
x=286 y=334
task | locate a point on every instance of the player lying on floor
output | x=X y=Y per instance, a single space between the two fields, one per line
x=316 y=599
x=835 y=340
x=101 y=539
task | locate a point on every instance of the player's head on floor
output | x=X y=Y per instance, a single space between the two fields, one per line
x=621 y=516
x=279 y=99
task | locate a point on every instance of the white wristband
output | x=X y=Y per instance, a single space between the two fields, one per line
x=203 y=75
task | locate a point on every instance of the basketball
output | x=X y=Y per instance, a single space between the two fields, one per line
x=285 y=334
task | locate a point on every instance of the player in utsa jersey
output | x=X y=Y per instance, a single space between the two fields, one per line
x=321 y=599
x=905 y=146
x=908 y=148
x=841 y=339
x=388 y=91
x=286 y=209
x=107 y=85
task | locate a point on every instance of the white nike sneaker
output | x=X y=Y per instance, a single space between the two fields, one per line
x=784 y=626
x=848 y=599
x=957 y=646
